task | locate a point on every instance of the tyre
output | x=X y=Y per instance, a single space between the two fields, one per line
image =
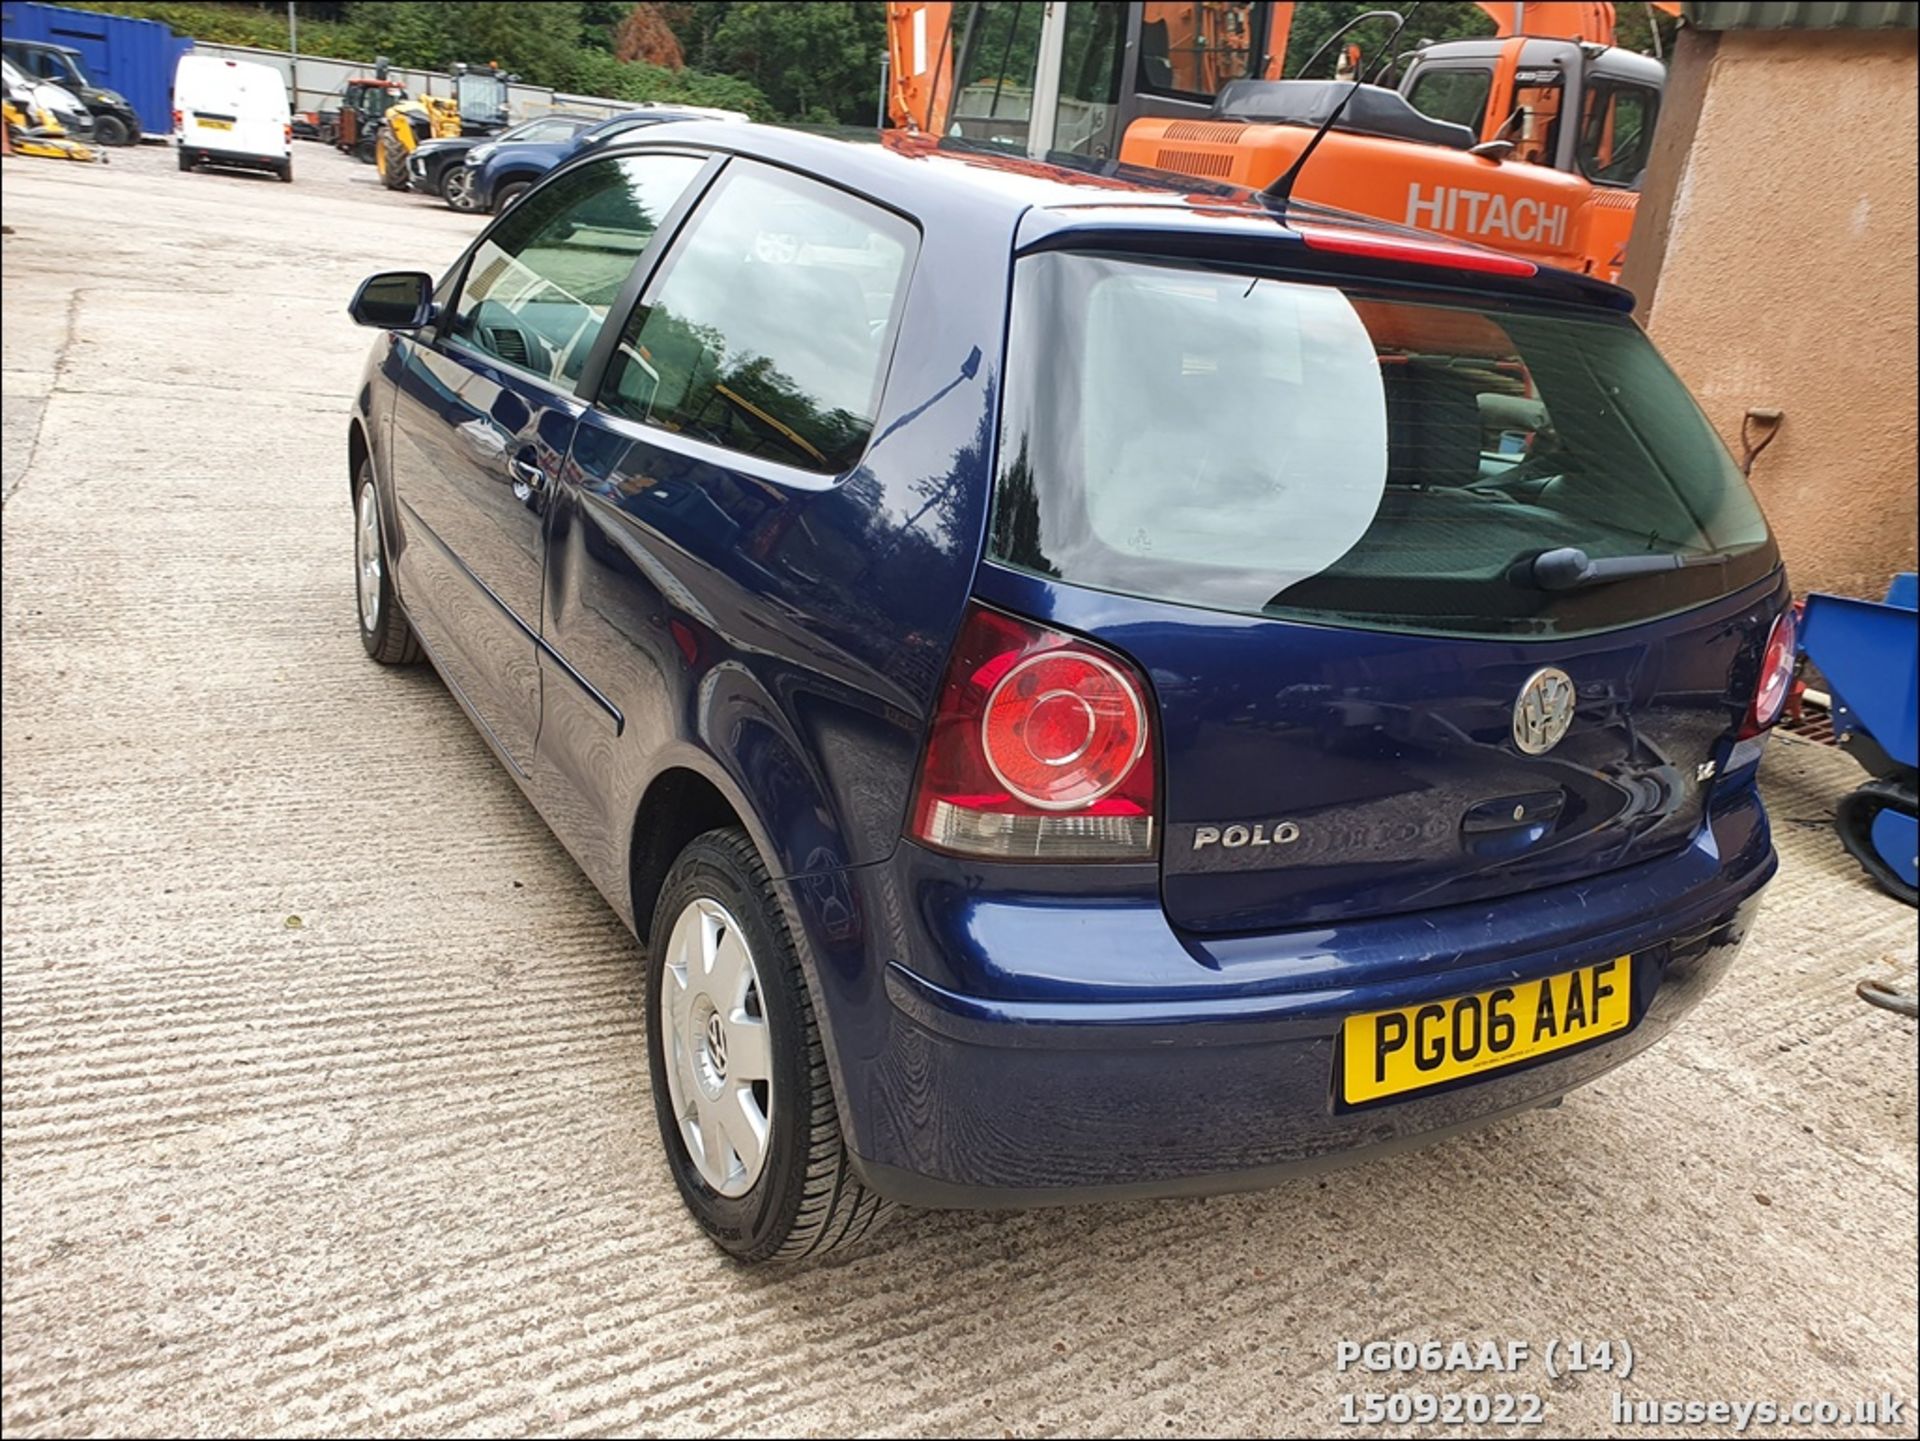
x=285 y=171
x=393 y=161
x=112 y=130
x=507 y=194
x=457 y=189
x=383 y=629
x=363 y=148
x=740 y=1085
x=186 y=160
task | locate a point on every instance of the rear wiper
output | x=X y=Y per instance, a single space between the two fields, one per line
x=1570 y=568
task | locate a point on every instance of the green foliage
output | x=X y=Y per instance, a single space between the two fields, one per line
x=1634 y=27
x=533 y=41
x=598 y=73
x=814 y=61
x=234 y=24
x=599 y=19
x=549 y=44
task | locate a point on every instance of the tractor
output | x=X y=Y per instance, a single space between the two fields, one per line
x=363 y=104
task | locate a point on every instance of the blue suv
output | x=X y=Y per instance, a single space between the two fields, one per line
x=1085 y=684
x=498 y=174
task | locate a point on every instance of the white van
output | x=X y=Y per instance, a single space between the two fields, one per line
x=232 y=112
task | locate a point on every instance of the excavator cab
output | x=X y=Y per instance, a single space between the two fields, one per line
x=1054 y=79
x=1530 y=143
x=1539 y=82
x=480 y=94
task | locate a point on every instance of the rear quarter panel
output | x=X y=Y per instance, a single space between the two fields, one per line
x=784 y=635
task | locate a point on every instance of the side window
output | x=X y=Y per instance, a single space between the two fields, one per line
x=1191 y=50
x=1459 y=95
x=539 y=287
x=770 y=324
x=1092 y=51
x=1533 y=125
x=994 y=73
x=1616 y=131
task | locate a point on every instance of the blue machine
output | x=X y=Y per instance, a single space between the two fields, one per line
x=1867 y=650
x=134 y=57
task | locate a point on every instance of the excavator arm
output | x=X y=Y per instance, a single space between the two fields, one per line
x=1560 y=19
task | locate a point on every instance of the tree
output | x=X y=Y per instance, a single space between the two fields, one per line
x=595 y=72
x=694 y=22
x=531 y=40
x=816 y=62
x=600 y=21
x=644 y=34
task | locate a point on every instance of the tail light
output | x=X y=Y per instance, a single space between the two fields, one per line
x=286 y=133
x=176 y=120
x=1040 y=749
x=1776 y=677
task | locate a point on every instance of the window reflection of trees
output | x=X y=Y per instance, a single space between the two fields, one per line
x=742 y=401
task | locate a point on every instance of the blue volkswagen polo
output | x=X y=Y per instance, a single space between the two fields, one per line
x=1085 y=684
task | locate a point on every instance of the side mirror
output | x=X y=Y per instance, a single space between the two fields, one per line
x=394 y=300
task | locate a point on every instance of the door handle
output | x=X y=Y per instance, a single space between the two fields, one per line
x=528 y=477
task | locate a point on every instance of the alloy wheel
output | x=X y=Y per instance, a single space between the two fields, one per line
x=457 y=190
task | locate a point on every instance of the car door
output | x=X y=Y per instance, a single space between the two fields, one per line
x=484 y=418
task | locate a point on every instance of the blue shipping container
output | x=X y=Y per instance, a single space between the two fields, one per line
x=135 y=57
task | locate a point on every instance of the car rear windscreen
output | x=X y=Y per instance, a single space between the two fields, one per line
x=1273 y=447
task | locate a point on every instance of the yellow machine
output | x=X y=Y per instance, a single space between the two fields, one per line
x=32 y=130
x=404 y=126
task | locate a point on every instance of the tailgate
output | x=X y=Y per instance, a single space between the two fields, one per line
x=1310 y=775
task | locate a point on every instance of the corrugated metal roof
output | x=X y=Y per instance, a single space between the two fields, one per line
x=1801 y=14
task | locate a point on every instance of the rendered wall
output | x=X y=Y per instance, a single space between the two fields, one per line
x=1778 y=253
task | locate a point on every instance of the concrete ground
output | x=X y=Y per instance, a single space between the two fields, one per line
x=325 y=1088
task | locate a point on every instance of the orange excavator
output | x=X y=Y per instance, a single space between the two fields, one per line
x=1531 y=140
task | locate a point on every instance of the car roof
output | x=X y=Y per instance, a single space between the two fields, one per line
x=580 y=121
x=648 y=116
x=1048 y=205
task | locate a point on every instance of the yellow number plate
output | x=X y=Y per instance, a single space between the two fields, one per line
x=216 y=124
x=1388 y=1052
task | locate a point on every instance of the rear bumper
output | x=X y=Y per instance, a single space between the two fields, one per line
x=248 y=159
x=1218 y=1073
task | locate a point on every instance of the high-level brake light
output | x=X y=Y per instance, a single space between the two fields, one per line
x=1414 y=250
